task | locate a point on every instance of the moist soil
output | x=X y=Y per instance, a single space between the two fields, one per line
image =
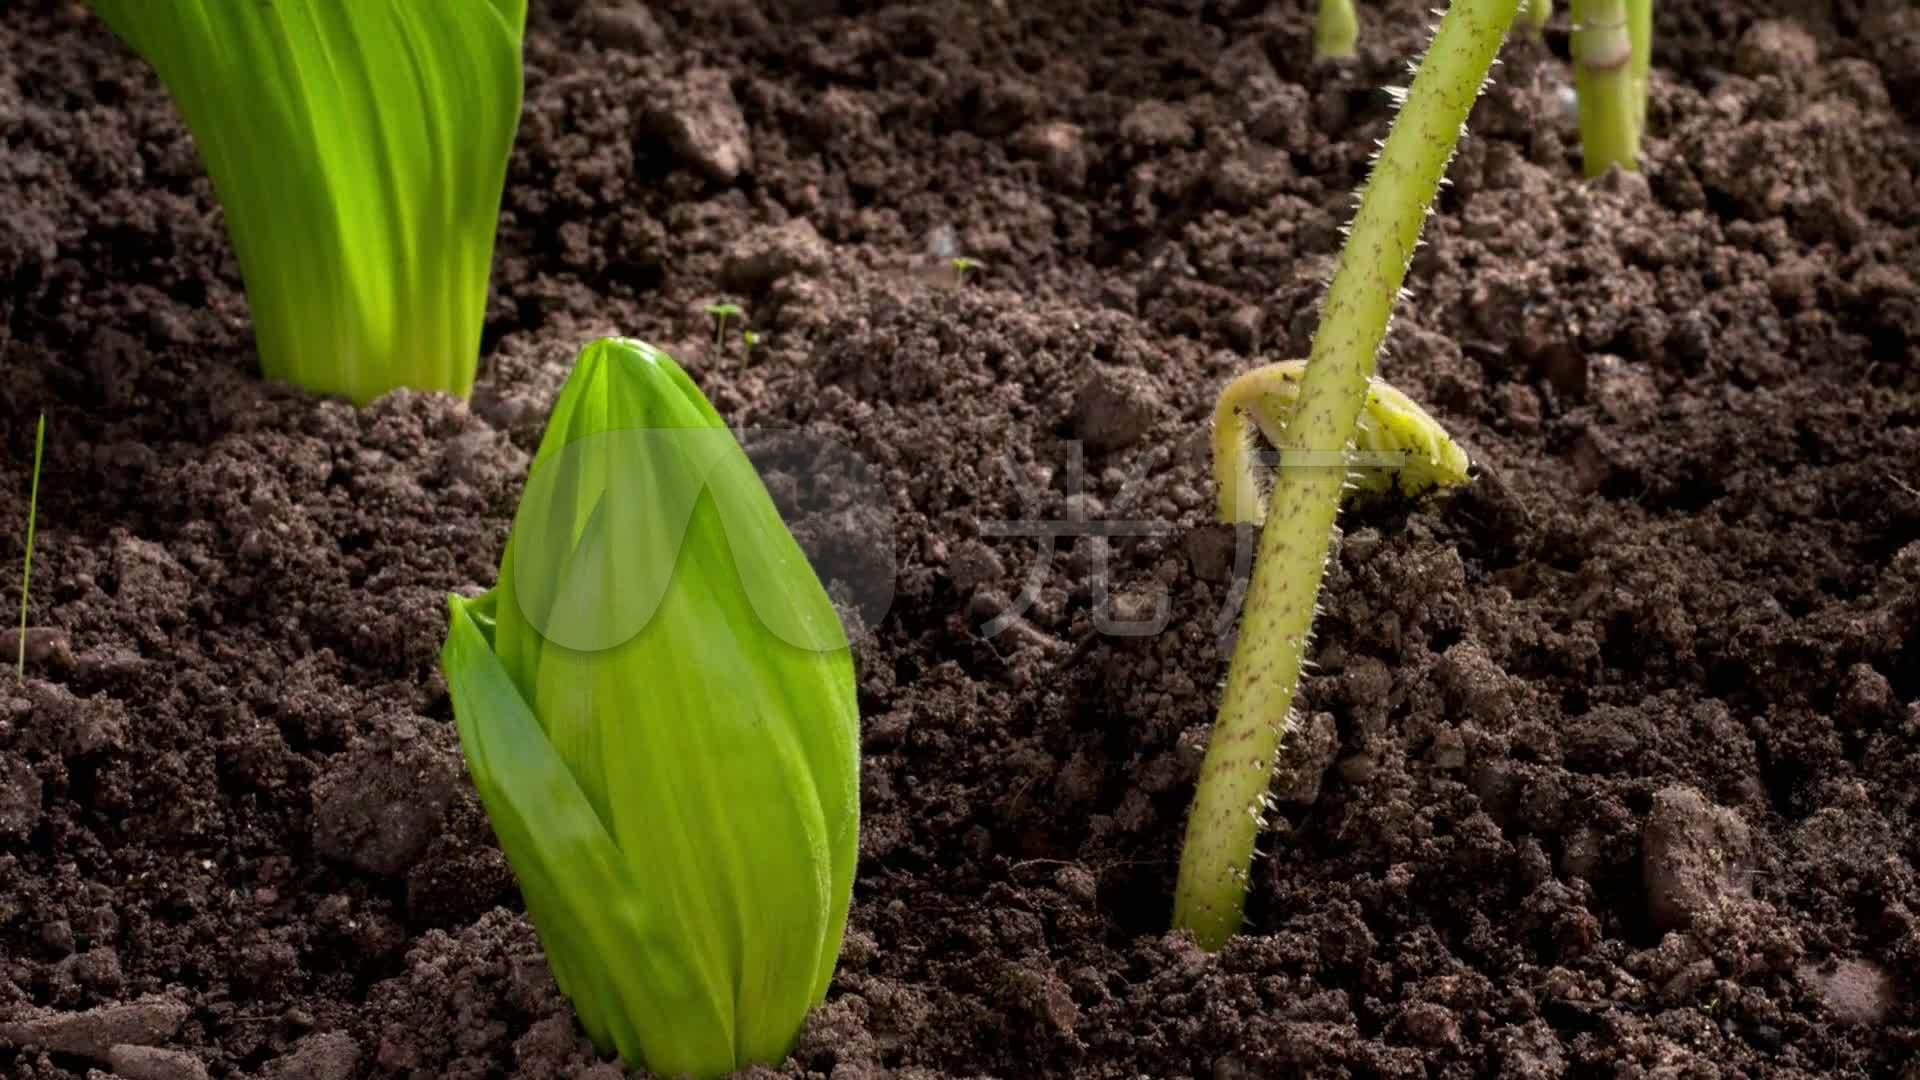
x=1610 y=763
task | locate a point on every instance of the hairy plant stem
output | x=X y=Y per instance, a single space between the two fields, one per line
x=1336 y=30
x=1227 y=813
x=1603 y=77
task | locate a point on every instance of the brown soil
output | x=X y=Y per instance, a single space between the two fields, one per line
x=1612 y=763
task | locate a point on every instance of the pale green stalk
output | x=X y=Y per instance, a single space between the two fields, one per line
x=1640 y=29
x=1210 y=897
x=1603 y=67
x=1336 y=30
x=26 y=571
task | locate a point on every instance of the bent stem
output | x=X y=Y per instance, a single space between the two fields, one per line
x=1229 y=804
x=1247 y=398
x=1336 y=30
x=1398 y=444
x=1603 y=78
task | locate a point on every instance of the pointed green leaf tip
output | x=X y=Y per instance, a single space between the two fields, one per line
x=359 y=148
x=657 y=706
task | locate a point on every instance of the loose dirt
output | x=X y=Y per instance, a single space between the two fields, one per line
x=1611 y=762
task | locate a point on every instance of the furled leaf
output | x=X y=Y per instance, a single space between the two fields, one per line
x=660 y=635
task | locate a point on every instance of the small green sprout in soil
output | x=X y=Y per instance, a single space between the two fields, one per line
x=359 y=149
x=656 y=702
x=750 y=338
x=721 y=312
x=1336 y=30
x=1535 y=14
x=1315 y=449
x=26 y=568
x=1611 y=48
x=962 y=266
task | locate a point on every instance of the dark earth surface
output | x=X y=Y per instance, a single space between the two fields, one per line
x=1611 y=763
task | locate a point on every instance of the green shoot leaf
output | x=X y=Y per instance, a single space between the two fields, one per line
x=962 y=266
x=1336 y=30
x=721 y=312
x=359 y=148
x=580 y=890
x=657 y=704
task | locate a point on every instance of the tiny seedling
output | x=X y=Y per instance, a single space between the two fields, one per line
x=750 y=338
x=1314 y=447
x=721 y=313
x=656 y=702
x=359 y=149
x=1612 y=49
x=1336 y=30
x=26 y=569
x=962 y=266
x=1535 y=14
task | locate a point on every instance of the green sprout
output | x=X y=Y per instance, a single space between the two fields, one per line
x=656 y=703
x=1336 y=30
x=962 y=266
x=26 y=568
x=750 y=338
x=1535 y=14
x=1611 y=48
x=721 y=313
x=1256 y=709
x=359 y=149
x=1640 y=29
